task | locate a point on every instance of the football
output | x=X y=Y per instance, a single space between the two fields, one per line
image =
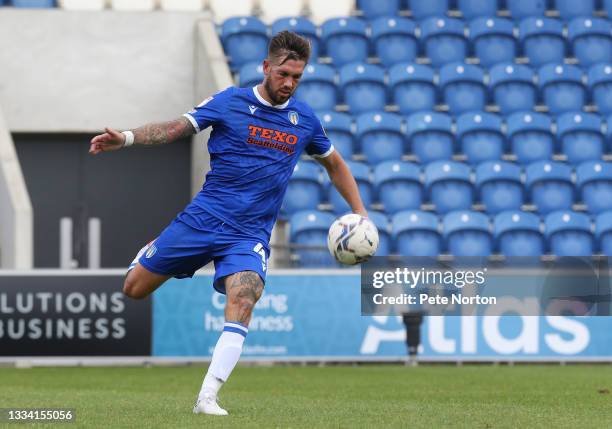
x=352 y=239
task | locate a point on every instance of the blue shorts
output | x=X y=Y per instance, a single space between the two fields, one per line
x=181 y=249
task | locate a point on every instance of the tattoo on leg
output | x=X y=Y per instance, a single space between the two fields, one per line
x=243 y=290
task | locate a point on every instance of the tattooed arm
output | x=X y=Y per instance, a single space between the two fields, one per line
x=148 y=135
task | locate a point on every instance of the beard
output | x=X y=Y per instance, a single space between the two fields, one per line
x=274 y=96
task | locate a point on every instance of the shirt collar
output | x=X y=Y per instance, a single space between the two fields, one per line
x=266 y=103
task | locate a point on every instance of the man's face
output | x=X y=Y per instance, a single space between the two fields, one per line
x=281 y=81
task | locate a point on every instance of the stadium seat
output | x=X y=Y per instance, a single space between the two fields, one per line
x=373 y=9
x=430 y=136
x=363 y=87
x=569 y=234
x=594 y=184
x=34 y=3
x=416 y=233
x=322 y=10
x=181 y=5
x=471 y=9
x=394 y=40
x=463 y=88
x=512 y=87
x=424 y=9
x=303 y=27
x=318 y=87
x=345 y=40
x=398 y=186
x=271 y=10
x=133 y=5
x=542 y=40
x=493 y=40
x=338 y=127
x=361 y=173
x=223 y=9
x=549 y=185
x=561 y=87
x=520 y=9
x=305 y=188
x=607 y=5
x=518 y=233
x=412 y=87
x=600 y=86
x=449 y=186
x=383 y=225
x=380 y=137
x=443 y=40
x=591 y=40
x=245 y=40
x=580 y=135
x=85 y=4
x=499 y=186
x=467 y=233
x=480 y=136
x=308 y=230
x=603 y=232
x=530 y=136
x=251 y=74
x=569 y=9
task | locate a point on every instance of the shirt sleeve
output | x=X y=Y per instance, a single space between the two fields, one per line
x=210 y=111
x=320 y=146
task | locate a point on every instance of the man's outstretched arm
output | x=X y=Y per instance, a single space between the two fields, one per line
x=148 y=135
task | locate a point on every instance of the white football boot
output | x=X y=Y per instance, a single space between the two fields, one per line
x=209 y=405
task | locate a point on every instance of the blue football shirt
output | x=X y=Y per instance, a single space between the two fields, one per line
x=253 y=148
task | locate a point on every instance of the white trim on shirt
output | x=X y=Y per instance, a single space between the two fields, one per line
x=326 y=154
x=265 y=103
x=193 y=121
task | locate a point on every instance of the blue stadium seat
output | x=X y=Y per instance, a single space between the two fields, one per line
x=603 y=232
x=569 y=9
x=607 y=6
x=380 y=137
x=361 y=173
x=463 y=87
x=475 y=8
x=550 y=186
x=251 y=74
x=600 y=86
x=373 y=9
x=520 y=9
x=594 y=183
x=424 y=9
x=518 y=233
x=530 y=136
x=430 y=136
x=318 y=87
x=303 y=27
x=383 y=225
x=416 y=233
x=499 y=185
x=493 y=40
x=412 y=87
x=512 y=87
x=345 y=40
x=569 y=234
x=591 y=40
x=338 y=127
x=449 y=186
x=580 y=136
x=305 y=188
x=309 y=229
x=398 y=186
x=245 y=40
x=363 y=87
x=561 y=87
x=443 y=40
x=467 y=233
x=394 y=40
x=34 y=3
x=480 y=136
x=542 y=40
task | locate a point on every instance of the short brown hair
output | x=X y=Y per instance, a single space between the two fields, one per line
x=289 y=46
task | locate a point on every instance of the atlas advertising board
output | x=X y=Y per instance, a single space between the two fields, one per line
x=319 y=316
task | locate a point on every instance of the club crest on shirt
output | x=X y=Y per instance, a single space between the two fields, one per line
x=293 y=117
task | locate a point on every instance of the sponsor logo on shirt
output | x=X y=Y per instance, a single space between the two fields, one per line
x=271 y=138
x=253 y=109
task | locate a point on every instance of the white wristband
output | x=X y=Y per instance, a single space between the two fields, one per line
x=129 y=138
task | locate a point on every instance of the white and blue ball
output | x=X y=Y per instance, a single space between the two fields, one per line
x=352 y=239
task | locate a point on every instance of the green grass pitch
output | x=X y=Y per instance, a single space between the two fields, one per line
x=478 y=396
